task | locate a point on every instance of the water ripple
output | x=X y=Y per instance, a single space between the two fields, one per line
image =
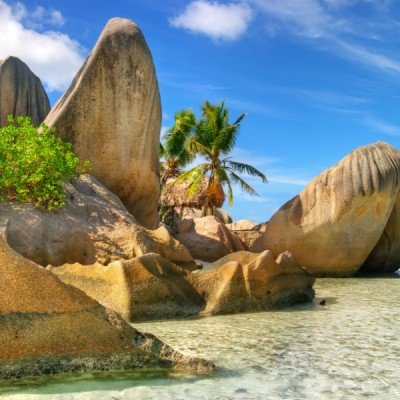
x=347 y=349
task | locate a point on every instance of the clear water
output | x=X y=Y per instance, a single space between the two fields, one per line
x=347 y=349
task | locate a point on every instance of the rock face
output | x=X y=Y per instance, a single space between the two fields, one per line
x=94 y=226
x=344 y=218
x=247 y=231
x=149 y=286
x=21 y=92
x=246 y=281
x=112 y=115
x=47 y=326
x=385 y=257
x=141 y=288
x=192 y=212
x=207 y=239
x=172 y=249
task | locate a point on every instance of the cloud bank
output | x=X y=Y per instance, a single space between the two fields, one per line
x=330 y=25
x=51 y=55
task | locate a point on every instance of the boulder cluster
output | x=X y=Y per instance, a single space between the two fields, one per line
x=72 y=280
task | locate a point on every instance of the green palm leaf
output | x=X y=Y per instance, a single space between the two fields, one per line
x=223 y=178
x=245 y=168
x=242 y=184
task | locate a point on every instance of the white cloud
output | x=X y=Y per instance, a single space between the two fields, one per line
x=39 y=17
x=360 y=54
x=51 y=55
x=321 y=21
x=288 y=180
x=214 y=19
x=249 y=157
x=382 y=126
x=305 y=17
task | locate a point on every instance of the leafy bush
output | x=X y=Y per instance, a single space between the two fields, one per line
x=34 y=164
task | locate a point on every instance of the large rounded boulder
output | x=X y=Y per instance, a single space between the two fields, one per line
x=335 y=223
x=207 y=239
x=112 y=115
x=47 y=326
x=94 y=226
x=21 y=92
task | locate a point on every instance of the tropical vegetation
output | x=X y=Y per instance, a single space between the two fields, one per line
x=34 y=164
x=211 y=139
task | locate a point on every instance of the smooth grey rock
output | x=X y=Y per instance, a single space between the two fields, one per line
x=21 y=92
x=112 y=115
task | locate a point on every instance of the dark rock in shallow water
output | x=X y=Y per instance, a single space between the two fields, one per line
x=21 y=92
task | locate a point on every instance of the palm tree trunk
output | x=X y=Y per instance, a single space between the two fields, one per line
x=204 y=209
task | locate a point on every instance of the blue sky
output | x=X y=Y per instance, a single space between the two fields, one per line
x=316 y=77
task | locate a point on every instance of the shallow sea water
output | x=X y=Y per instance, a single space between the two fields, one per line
x=347 y=349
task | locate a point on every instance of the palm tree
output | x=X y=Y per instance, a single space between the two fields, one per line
x=173 y=150
x=214 y=139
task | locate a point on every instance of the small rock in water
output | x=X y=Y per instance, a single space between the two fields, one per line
x=322 y=302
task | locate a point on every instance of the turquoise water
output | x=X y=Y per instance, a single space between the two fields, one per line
x=347 y=349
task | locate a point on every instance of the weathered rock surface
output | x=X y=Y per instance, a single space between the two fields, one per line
x=94 y=226
x=247 y=231
x=246 y=281
x=241 y=225
x=336 y=222
x=172 y=249
x=149 y=286
x=385 y=257
x=21 y=92
x=193 y=212
x=112 y=115
x=207 y=239
x=141 y=288
x=47 y=326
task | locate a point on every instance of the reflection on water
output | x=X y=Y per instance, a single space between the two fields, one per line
x=347 y=349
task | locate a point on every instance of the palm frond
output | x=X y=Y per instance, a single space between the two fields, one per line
x=242 y=184
x=194 y=146
x=226 y=139
x=246 y=168
x=175 y=139
x=224 y=178
x=162 y=150
x=240 y=118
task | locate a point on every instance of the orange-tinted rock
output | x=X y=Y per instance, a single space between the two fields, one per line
x=246 y=281
x=334 y=224
x=47 y=326
x=207 y=239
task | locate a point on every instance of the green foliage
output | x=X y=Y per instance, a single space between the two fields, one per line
x=213 y=137
x=173 y=150
x=34 y=164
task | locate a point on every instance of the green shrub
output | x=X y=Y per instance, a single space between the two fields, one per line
x=34 y=164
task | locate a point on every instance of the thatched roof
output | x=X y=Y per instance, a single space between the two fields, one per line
x=177 y=195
